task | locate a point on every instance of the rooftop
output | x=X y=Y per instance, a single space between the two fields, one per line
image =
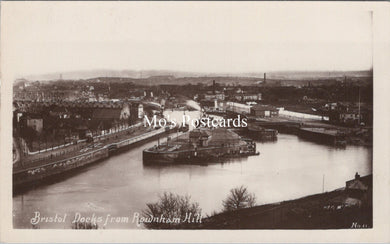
x=106 y=113
x=261 y=107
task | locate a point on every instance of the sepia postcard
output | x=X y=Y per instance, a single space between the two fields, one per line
x=194 y=121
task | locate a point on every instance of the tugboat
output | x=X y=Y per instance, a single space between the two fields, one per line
x=200 y=145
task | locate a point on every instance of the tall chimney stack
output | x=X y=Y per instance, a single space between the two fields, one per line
x=265 y=77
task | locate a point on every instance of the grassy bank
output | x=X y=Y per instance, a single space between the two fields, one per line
x=321 y=211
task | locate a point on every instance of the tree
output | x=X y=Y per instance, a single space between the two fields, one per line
x=171 y=207
x=238 y=198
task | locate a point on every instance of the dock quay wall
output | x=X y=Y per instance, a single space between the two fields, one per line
x=318 y=136
x=32 y=174
x=41 y=172
x=283 y=127
x=125 y=145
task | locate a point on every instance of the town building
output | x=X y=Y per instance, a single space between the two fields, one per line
x=35 y=123
x=238 y=108
x=259 y=110
x=360 y=188
x=199 y=138
x=349 y=114
x=350 y=117
x=217 y=95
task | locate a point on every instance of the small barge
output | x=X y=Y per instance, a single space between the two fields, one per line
x=200 y=146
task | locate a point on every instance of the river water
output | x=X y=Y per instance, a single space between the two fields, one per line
x=121 y=186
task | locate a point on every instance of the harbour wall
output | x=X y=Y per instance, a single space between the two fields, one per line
x=34 y=174
x=288 y=113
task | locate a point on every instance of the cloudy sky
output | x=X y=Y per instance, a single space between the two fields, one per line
x=44 y=37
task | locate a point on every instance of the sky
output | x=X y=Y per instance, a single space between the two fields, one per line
x=46 y=37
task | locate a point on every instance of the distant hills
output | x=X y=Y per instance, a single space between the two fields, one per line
x=304 y=75
x=167 y=74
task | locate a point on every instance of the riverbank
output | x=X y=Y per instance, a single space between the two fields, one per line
x=350 y=207
x=28 y=159
x=26 y=176
x=289 y=167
